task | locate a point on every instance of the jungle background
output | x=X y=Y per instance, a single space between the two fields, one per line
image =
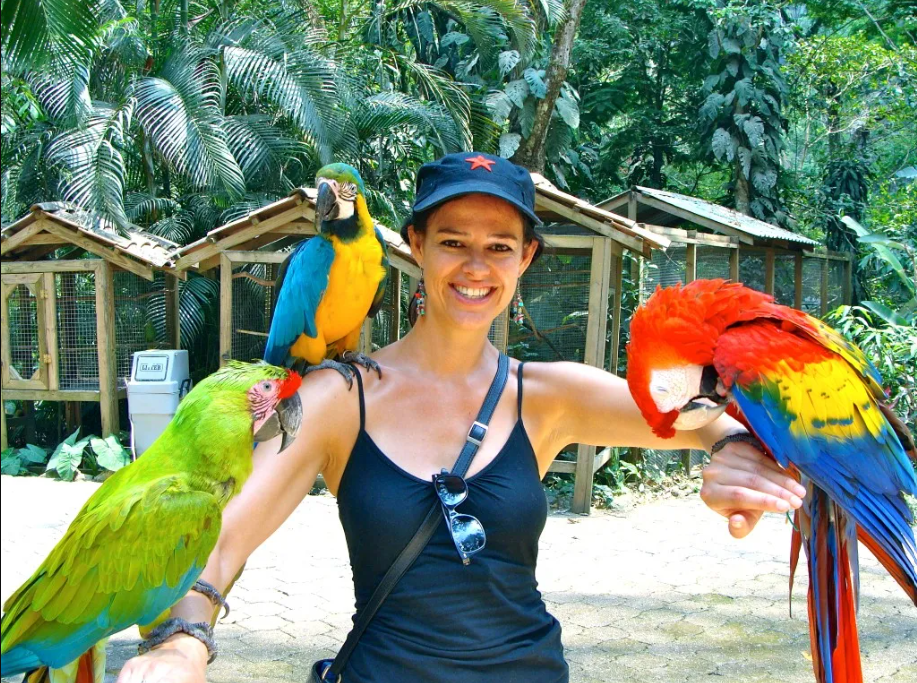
x=177 y=116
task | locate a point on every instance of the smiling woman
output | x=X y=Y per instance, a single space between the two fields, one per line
x=467 y=608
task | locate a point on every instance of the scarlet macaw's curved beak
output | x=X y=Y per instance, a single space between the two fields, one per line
x=326 y=203
x=707 y=405
x=286 y=420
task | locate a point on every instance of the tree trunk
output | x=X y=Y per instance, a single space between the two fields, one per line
x=531 y=152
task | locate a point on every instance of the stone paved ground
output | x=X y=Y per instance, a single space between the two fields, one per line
x=657 y=593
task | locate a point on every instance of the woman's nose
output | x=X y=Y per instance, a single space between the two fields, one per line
x=475 y=263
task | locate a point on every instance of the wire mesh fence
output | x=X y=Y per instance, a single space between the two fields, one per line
x=136 y=299
x=555 y=292
x=712 y=262
x=835 y=284
x=811 y=286
x=387 y=323
x=78 y=364
x=785 y=279
x=253 y=287
x=23 y=325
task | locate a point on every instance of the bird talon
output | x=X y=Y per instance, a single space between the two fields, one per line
x=342 y=368
x=362 y=359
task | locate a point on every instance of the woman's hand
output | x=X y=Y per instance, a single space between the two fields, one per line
x=741 y=483
x=181 y=659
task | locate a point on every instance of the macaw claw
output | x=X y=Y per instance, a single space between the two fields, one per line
x=362 y=359
x=343 y=368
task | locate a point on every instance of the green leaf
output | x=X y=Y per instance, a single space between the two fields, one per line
x=517 y=91
x=35 y=31
x=509 y=143
x=508 y=61
x=732 y=66
x=732 y=46
x=754 y=129
x=500 y=106
x=536 y=82
x=453 y=38
x=764 y=181
x=711 y=82
x=10 y=464
x=744 y=90
x=568 y=111
x=110 y=453
x=713 y=43
x=722 y=142
x=66 y=460
x=887 y=314
x=745 y=156
x=884 y=253
x=34 y=454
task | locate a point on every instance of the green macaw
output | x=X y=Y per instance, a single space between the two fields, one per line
x=330 y=284
x=142 y=539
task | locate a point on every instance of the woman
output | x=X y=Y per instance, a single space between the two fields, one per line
x=472 y=234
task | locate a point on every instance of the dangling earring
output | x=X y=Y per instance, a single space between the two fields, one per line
x=421 y=296
x=516 y=309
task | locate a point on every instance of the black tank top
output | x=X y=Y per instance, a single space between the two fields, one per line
x=446 y=622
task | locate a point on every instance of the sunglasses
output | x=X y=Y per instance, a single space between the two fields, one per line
x=467 y=531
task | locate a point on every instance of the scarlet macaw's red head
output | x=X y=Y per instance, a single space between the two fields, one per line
x=673 y=337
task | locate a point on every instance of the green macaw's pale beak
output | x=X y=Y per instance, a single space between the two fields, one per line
x=286 y=420
x=326 y=203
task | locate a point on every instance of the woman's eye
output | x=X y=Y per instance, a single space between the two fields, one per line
x=502 y=247
x=451 y=243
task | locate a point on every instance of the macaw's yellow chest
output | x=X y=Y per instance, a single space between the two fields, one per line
x=352 y=284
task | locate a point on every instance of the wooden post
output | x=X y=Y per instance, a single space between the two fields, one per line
x=594 y=355
x=769 y=271
x=105 y=332
x=52 y=346
x=848 y=280
x=394 y=283
x=225 y=308
x=797 y=276
x=366 y=337
x=616 y=312
x=823 y=308
x=4 y=441
x=690 y=262
x=173 y=317
x=734 y=264
x=632 y=205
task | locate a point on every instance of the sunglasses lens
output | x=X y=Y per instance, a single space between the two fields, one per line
x=468 y=533
x=451 y=489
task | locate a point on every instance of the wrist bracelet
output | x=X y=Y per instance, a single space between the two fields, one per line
x=200 y=630
x=210 y=591
x=744 y=437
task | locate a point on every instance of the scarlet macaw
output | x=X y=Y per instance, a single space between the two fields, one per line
x=816 y=404
x=329 y=284
x=142 y=539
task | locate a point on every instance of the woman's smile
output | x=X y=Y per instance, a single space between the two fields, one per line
x=474 y=295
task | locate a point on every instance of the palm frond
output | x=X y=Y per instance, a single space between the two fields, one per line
x=261 y=147
x=63 y=91
x=379 y=114
x=140 y=205
x=180 y=112
x=91 y=163
x=35 y=31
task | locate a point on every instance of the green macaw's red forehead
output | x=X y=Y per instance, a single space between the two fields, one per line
x=290 y=384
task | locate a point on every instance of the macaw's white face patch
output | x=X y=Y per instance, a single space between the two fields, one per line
x=672 y=388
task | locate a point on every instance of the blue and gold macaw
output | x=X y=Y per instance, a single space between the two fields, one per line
x=817 y=405
x=330 y=283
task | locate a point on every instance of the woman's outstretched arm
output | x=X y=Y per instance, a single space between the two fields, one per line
x=278 y=483
x=583 y=404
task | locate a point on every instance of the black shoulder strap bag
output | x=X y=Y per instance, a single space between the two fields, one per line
x=328 y=670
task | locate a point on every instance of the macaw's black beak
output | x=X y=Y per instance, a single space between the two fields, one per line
x=286 y=420
x=326 y=204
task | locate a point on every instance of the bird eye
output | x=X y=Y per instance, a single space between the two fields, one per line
x=266 y=386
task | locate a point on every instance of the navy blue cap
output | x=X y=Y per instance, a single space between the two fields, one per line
x=464 y=173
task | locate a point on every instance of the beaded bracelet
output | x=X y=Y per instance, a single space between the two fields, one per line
x=200 y=630
x=210 y=591
x=743 y=437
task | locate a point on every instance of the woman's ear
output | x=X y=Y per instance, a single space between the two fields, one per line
x=415 y=242
x=528 y=253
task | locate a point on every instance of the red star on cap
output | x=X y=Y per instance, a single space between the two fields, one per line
x=480 y=161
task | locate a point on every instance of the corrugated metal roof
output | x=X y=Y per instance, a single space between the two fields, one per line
x=144 y=247
x=728 y=218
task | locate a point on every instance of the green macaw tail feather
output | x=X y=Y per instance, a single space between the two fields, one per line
x=90 y=668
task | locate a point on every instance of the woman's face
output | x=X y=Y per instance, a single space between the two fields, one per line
x=472 y=255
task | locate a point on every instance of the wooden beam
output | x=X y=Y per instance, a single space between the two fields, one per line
x=4 y=442
x=694 y=237
x=366 y=337
x=690 y=262
x=395 y=293
x=46 y=395
x=594 y=354
x=52 y=359
x=618 y=284
x=769 y=271
x=404 y=264
x=632 y=205
x=225 y=308
x=105 y=334
x=696 y=218
x=21 y=237
x=602 y=457
x=565 y=466
x=39 y=240
x=107 y=253
x=256 y=256
x=617 y=234
x=823 y=308
x=24 y=267
x=569 y=241
x=734 y=264
x=797 y=281
x=245 y=234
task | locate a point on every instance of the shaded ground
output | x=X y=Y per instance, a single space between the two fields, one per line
x=658 y=593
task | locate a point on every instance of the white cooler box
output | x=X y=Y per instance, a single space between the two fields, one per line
x=159 y=380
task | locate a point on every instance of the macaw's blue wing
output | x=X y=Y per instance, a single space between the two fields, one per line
x=301 y=285
x=380 y=291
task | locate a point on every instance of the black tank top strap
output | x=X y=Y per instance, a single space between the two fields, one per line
x=519 y=390
x=356 y=371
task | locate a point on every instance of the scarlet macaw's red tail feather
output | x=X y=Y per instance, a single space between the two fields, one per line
x=795 y=547
x=87 y=669
x=896 y=570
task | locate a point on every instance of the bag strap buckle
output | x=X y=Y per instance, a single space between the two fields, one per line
x=477 y=433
